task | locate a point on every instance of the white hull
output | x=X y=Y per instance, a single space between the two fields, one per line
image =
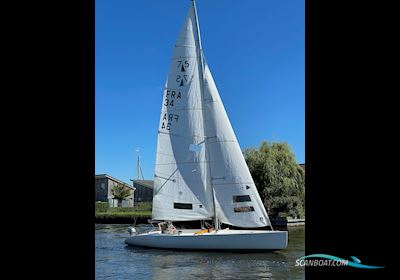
x=221 y=240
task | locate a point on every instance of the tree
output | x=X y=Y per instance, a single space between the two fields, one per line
x=280 y=181
x=120 y=192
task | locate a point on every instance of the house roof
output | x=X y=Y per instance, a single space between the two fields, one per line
x=145 y=183
x=102 y=176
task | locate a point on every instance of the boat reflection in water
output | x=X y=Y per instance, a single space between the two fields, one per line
x=214 y=265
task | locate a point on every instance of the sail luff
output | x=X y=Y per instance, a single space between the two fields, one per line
x=197 y=27
x=201 y=74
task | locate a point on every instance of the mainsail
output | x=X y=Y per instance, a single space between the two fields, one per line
x=200 y=170
x=181 y=191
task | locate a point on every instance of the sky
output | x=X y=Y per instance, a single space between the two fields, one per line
x=254 y=49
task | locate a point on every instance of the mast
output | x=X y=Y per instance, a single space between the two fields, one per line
x=201 y=74
x=138 y=164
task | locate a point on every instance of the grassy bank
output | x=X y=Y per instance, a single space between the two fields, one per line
x=139 y=217
x=133 y=215
x=111 y=215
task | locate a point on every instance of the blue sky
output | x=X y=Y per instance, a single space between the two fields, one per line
x=255 y=51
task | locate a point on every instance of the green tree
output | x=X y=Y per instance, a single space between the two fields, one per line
x=280 y=181
x=120 y=192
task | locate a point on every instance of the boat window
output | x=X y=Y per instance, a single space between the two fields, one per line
x=183 y=206
x=244 y=209
x=241 y=198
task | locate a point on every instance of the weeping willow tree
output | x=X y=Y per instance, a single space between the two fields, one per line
x=280 y=181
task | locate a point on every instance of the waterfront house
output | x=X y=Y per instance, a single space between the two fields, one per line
x=143 y=190
x=103 y=185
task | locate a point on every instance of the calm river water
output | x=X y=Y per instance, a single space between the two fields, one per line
x=115 y=260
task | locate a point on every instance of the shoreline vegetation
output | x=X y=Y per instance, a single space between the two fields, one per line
x=280 y=181
x=122 y=218
x=141 y=213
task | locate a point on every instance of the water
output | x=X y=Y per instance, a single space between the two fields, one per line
x=115 y=260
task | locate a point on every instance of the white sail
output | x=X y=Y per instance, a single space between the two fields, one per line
x=181 y=191
x=238 y=201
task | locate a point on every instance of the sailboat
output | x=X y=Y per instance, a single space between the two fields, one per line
x=200 y=172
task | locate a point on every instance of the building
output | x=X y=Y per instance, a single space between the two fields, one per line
x=143 y=190
x=103 y=186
